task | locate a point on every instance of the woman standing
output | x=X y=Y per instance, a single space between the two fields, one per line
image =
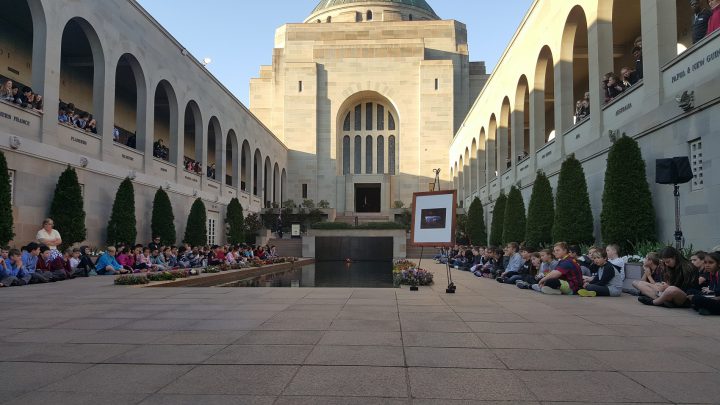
x=49 y=237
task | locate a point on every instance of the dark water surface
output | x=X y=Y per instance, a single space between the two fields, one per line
x=327 y=274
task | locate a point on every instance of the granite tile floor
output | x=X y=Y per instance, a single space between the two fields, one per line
x=89 y=342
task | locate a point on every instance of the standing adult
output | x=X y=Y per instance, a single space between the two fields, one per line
x=49 y=237
x=701 y=17
x=714 y=22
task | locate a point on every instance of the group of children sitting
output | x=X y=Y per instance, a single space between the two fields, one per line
x=668 y=279
x=36 y=263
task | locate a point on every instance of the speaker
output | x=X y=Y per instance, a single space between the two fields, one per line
x=673 y=171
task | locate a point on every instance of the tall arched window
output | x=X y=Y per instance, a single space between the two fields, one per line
x=381 y=155
x=369 y=15
x=365 y=151
x=346 y=155
x=368 y=154
x=391 y=155
x=358 y=155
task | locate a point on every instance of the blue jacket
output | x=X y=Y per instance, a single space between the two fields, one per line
x=107 y=260
x=516 y=263
x=15 y=271
x=29 y=262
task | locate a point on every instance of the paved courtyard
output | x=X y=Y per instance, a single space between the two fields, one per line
x=88 y=342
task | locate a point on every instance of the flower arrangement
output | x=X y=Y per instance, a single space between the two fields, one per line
x=406 y=272
x=131 y=279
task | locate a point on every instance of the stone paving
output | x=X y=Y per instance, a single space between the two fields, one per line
x=88 y=342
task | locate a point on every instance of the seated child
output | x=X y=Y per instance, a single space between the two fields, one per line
x=607 y=282
x=12 y=270
x=567 y=276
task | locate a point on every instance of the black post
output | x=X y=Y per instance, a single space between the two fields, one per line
x=678 y=228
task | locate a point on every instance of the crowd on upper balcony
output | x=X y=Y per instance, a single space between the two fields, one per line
x=26 y=98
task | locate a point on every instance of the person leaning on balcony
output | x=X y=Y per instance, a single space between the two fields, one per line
x=6 y=92
x=701 y=16
x=629 y=77
x=714 y=22
x=614 y=86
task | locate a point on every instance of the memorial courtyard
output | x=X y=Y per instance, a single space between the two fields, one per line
x=90 y=342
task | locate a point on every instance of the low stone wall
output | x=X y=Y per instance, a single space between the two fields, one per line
x=214 y=279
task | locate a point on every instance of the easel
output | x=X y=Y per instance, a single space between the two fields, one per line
x=451 y=285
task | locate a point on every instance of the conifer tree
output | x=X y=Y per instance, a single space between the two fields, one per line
x=628 y=215
x=6 y=214
x=498 y=217
x=476 y=229
x=122 y=227
x=236 y=222
x=573 y=215
x=541 y=213
x=162 y=223
x=67 y=209
x=196 y=229
x=514 y=219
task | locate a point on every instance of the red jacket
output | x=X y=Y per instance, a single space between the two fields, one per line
x=714 y=22
x=51 y=265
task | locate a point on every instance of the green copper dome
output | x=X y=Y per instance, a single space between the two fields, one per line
x=326 y=4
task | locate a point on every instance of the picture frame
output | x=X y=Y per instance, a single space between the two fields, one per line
x=434 y=219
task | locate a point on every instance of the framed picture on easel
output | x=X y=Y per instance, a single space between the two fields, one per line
x=434 y=219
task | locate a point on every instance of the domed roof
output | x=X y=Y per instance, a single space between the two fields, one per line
x=326 y=4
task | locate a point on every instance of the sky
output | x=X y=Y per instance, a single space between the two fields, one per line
x=238 y=35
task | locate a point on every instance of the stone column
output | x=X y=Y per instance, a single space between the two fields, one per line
x=600 y=62
x=104 y=104
x=146 y=124
x=537 y=122
x=659 y=35
x=178 y=144
x=47 y=44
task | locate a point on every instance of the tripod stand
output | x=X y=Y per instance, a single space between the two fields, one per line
x=678 y=229
x=451 y=285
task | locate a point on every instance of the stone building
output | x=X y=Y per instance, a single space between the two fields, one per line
x=366 y=95
x=112 y=59
x=523 y=120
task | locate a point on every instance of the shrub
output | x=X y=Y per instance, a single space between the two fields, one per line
x=331 y=225
x=196 y=229
x=6 y=214
x=514 y=221
x=324 y=204
x=252 y=226
x=290 y=204
x=122 y=225
x=573 y=215
x=541 y=213
x=130 y=279
x=475 y=227
x=162 y=223
x=309 y=204
x=398 y=205
x=498 y=217
x=236 y=222
x=67 y=210
x=628 y=215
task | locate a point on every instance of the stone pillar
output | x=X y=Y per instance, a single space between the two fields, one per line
x=517 y=128
x=46 y=75
x=600 y=62
x=502 y=150
x=178 y=145
x=537 y=122
x=146 y=123
x=659 y=34
x=564 y=103
x=104 y=104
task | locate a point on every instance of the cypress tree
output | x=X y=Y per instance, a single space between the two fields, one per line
x=514 y=218
x=196 y=229
x=541 y=213
x=476 y=229
x=236 y=222
x=162 y=223
x=6 y=214
x=628 y=215
x=573 y=215
x=496 y=228
x=122 y=227
x=67 y=210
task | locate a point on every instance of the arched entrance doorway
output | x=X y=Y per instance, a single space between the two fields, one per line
x=368 y=151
